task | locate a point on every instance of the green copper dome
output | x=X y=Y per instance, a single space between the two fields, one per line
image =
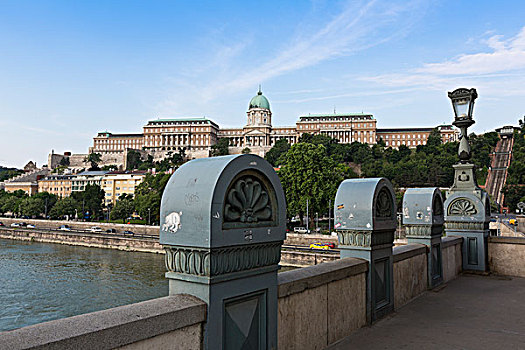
x=259 y=101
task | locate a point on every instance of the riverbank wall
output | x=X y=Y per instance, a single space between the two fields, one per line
x=84 y=226
x=84 y=239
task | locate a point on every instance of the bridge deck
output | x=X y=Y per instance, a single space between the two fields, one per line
x=471 y=312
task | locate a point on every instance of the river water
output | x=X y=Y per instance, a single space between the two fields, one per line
x=41 y=282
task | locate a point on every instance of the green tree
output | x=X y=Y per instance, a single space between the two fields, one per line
x=65 y=206
x=133 y=159
x=124 y=208
x=64 y=161
x=281 y=147
x=149 y=194
x=90 y=201
x=308 y=173
x=94 y=159
x=48 y=199
x=31 y=206
x=12 y=205
x=221 y=147
x=246 y=151
x=171 y=161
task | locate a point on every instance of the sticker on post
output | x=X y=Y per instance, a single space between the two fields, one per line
x=172 y=222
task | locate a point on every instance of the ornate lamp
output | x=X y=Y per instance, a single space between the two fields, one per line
x=467 y=212
x=463 y=103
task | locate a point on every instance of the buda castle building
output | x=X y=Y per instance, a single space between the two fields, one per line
x=197 y=135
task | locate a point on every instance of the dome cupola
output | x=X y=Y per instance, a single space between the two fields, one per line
x=259 y=101
x=259 y=113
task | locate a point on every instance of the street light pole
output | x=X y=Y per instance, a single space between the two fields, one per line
x=149 y=216
x=307 y=215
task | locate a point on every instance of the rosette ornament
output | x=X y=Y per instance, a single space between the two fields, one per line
x=247 y=202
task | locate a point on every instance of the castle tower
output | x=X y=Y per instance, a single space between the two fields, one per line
x=259 y=123
x=259 y=113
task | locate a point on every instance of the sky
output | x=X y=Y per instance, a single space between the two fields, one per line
x=70 y=69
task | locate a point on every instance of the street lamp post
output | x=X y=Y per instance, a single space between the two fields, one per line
x=463 y=104
x=149 y=216
x=467 y=207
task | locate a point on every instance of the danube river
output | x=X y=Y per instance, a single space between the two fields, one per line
x=41 y=282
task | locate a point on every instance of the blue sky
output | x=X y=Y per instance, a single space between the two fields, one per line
x=69 y=69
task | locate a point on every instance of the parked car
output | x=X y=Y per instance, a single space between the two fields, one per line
x=300 y=230
x=30 y=226
x=22 y=224
x=64 y=228
x=111 y=230
x=513 y=222
x=2 y=224
x=15 y=224
x=95 y=229
x=319 y=245
x=127 y=232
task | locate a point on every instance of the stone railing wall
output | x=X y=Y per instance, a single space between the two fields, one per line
x=321 y=304
x=507 y=256
x=410 y=272
x=153 y=324
x=317 y=306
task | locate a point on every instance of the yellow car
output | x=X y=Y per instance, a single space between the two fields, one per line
x=319 y=246
x=513 y=222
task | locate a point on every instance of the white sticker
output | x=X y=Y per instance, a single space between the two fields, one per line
x=172 y=222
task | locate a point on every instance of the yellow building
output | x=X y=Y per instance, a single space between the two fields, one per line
x=30 y=188
x=59 y=185
x=116 y=184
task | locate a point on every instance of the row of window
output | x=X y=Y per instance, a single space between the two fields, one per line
x=404 y=136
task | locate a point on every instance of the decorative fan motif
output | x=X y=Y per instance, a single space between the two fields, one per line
x=247 y=202
x=384 y=204
x=462 y=207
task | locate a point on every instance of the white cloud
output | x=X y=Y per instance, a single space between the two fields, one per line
x=358 y=26
x=500 y=70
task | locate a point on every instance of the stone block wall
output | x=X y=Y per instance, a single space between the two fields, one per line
x=321 y=304
x=507 y=256
x=410 y=272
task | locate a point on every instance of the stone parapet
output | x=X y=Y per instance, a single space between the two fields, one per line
x=147 y=324
x=321 y=304
x=507 y=256
x=410 y=272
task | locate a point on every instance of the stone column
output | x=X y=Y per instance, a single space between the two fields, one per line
x=423 y=220
x=365 y=221
x=222 y=231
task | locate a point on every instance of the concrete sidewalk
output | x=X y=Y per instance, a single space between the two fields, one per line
x=471 y=312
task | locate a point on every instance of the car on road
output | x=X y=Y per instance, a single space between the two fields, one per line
x=64 y=228
x=300 y=230
x=319 y=245
x=127 y=232
x=111 y=230
x=15 y=224
x=95 y=229
x=513 y=222
x=330 y=244
x=30 y=226
x=2 y=224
